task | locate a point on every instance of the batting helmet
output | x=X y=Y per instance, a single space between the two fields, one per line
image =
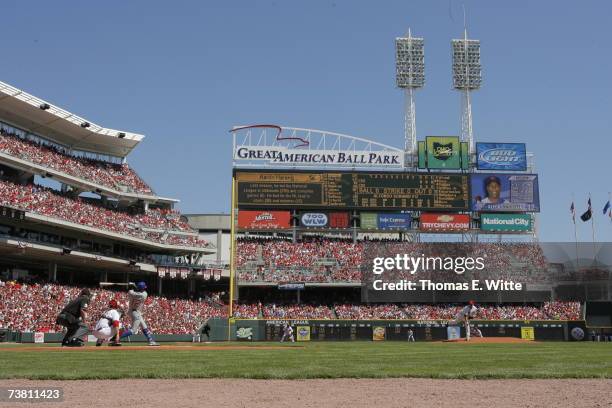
x=113 y=304
x=141 y=285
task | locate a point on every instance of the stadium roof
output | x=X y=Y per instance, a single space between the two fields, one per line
x=45 y=119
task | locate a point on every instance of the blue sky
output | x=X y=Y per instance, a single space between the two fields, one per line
x=183 y=73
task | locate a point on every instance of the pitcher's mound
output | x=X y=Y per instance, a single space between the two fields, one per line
x=490 y=340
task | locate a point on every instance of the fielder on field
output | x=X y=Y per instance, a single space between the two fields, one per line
x=410 y=335
x=109 y=326
x=137 y=296
x=287 y=333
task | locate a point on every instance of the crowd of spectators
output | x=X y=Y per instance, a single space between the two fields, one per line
x=34 y=307
x=116 y=176
x=154 y=225
x=546 y=311
x=355 y=311
x=340 y=260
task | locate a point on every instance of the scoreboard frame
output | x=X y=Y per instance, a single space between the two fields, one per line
x=466 y=186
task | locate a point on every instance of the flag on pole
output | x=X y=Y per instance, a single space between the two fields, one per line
x=573 y=211
x=588 y=213
x=606 y=207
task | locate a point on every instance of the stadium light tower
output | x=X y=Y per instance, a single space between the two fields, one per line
x=409 y=76
x=467 y=77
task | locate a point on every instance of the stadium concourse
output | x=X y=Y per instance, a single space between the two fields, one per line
x=33 y=307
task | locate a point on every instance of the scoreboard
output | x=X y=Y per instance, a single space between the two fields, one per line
x=352 y=190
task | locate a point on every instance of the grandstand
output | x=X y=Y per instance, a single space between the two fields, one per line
x=73 y=211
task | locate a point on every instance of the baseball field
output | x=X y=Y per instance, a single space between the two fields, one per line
x=338 y=374
x=311 y=360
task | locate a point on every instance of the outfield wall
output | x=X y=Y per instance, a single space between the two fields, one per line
x=397 y=330
x=355 y=330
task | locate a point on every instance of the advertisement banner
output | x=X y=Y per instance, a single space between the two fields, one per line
x=444 y=222
x=443 y=152
x=505 y=192
x=506 y=222
x=527 y=333
x=378 y=333
x=369 y=221
x=501 y=156
x=264 y=219
x=338 y=220
x=39 y=337
x=244 y=333
x=394 y=221
x=314 y=220
x=453 y=333
x=303 y=333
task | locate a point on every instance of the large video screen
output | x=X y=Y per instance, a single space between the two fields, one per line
x=352 y=190
x=505 y=192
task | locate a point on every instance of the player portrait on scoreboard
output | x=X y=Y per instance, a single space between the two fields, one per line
x=505 y=192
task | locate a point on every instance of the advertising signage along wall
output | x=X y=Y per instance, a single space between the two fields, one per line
x=443 y=152
x=444 y=222
x=352 y=190
x=264 y=219
x=506 y=222
x=369 y=221
x=314 y=220
x=338 y=219
x=501 y=156
x=505 y=192
x=394 y=221
x=324 y=220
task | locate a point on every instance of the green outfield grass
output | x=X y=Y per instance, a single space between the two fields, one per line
x=317 y=360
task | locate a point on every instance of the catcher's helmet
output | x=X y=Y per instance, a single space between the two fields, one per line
x=113 y=304
x=141 y=285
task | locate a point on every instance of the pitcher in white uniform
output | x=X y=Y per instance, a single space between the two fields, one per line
x=463 y=318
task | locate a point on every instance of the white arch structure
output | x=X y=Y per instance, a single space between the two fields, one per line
x=274 y=146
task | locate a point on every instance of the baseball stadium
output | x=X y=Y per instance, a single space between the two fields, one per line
x=406 y=275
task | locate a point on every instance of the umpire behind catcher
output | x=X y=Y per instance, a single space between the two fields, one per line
x=73 y=317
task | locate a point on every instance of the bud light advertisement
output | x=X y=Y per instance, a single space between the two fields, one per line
x=501 y=156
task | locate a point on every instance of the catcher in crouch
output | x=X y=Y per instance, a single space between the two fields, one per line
x=109 y=326
x=138 y=295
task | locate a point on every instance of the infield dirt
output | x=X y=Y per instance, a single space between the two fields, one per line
x=349 y=393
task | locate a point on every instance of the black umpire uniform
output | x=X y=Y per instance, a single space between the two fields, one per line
x=206 y=330
x=72 y=318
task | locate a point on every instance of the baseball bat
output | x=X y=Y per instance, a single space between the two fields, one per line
x=105 y=284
